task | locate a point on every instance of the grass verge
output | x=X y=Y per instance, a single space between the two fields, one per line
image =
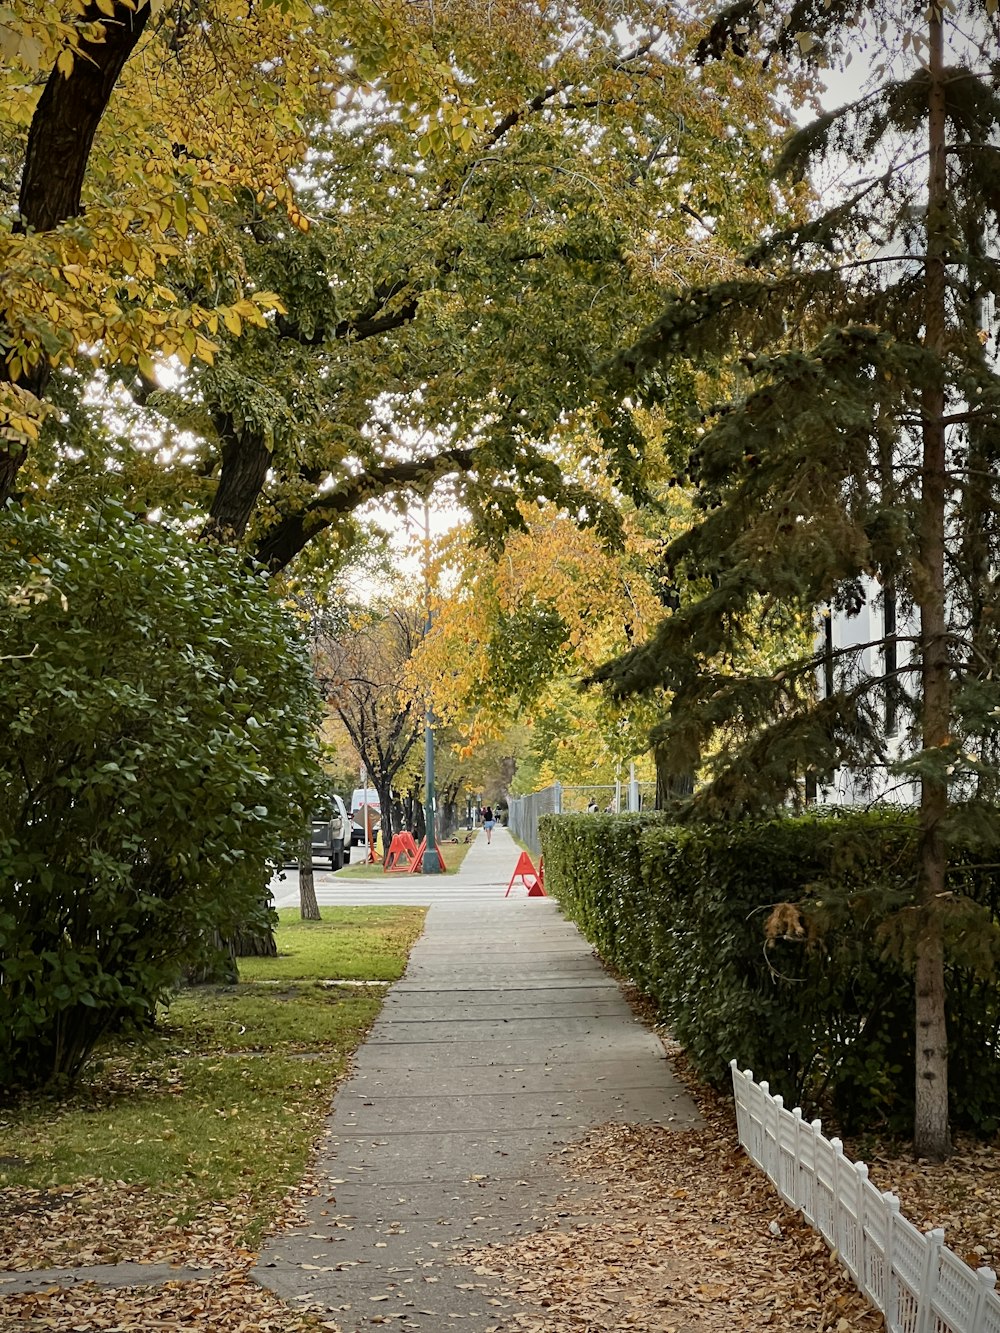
x=212 y=1117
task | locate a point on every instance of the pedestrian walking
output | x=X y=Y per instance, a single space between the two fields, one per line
x=488 y=822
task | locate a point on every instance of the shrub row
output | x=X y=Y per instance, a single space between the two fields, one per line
x=783 y=944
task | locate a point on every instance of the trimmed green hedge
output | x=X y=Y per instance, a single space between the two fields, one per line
x=814 y=997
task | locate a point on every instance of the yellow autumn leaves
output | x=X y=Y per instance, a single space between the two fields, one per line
x=595 y=601
x=204 y=114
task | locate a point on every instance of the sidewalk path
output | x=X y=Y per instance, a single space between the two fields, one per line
x=504 y=1040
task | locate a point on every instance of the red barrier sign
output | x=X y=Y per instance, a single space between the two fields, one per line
x=417 y=866
x=530 y=877
x=401 y=855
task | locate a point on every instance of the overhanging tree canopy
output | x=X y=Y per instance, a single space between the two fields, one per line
x=461 y=281
x=124 y=126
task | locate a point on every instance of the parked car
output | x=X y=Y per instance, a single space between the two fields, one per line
x=330 y=837
x=365 y=809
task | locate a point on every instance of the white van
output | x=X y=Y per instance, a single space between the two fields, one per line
x=361 y=798
x=329 y=833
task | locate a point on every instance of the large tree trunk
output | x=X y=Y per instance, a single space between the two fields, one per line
x=219 y=969
x=59 y=145
x=67 y=116
x=308 y=906
x=245 y=461
x=385 y=805
x=931 y=1133
x=253 y=944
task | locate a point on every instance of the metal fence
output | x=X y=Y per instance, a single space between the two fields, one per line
x=918 y=1284
x=524 y=813
x=563 y=799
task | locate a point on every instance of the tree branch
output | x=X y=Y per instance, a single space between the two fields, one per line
x=285 y=538
x=60 y=140
x=369 y=324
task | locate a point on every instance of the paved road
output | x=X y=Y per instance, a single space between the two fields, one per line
x=486 y=866
x=504 y=1040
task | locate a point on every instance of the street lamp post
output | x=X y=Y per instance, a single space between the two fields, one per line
x=431 y=861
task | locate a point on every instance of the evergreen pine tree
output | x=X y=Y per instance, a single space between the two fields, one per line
x=861 y=450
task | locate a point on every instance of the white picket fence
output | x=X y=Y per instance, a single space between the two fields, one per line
x=919 y=1285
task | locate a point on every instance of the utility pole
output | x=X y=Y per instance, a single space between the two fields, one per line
x=431 y=864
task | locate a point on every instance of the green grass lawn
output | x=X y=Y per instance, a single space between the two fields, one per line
x=227 y=1096
x=352 y=943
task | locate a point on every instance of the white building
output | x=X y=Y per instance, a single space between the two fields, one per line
x=871 y=630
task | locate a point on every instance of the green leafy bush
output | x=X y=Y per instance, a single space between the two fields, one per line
x=784 y=944
x=156 y=749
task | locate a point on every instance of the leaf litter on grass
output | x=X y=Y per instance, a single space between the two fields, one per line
x=229 y=1302
x=109 y=1222
x=234 y=1304
x=178 y=1089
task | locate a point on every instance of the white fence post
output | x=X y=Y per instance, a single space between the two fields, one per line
x=919 y=1285
x=933 y=1245
x=986 y=1312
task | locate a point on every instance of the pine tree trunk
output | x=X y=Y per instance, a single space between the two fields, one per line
x=671 y=786
x=308 y=906
x=931 y=1134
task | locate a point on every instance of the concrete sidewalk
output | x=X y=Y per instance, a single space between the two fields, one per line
x=504 y=1040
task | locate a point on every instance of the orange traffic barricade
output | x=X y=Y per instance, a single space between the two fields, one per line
x=530 y=877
